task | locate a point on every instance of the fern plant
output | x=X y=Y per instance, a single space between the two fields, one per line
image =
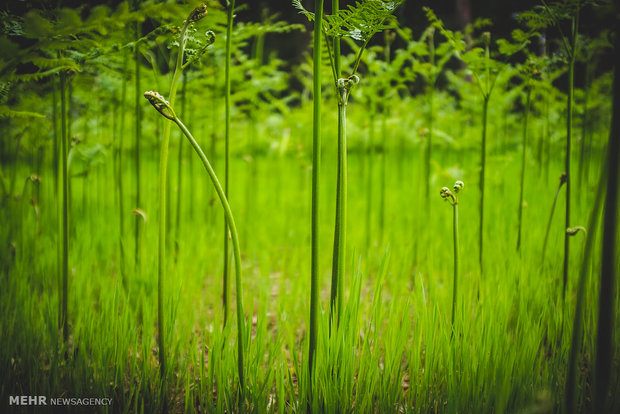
x=359 y=22
x=552 y=15
x=485 y=67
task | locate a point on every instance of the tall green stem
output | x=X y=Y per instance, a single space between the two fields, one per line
x=483 y=158
x=524 y=144
x=369 y=155
x=119 y=170
x=163 y=167
x=384 y=116
x=226 y=290
x=576 y=340
x=555 y=200
x=316 y=163
x=569 y=129
x=177 y=225
x=138 y=137
x=430 y=97
x=236 y=248
x=609 y=261
x=338 y=261
x=65 y=208
x=455 y=231
x=341 y=190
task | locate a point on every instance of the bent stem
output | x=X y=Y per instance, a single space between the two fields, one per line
x=165 y=109
x=235 y=241
x=555 y=200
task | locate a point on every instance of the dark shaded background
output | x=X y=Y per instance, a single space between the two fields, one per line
x=455 y=14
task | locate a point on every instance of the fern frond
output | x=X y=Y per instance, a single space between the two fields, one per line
x=302 y=10
x=362 y=20
x=6 y=112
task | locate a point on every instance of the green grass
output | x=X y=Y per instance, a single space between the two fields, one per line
x=392 y=350
x=406 y=339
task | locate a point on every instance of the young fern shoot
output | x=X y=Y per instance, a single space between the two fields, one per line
x=452 y=198
x=359 y=22
x=165 y=109
x=196 y=14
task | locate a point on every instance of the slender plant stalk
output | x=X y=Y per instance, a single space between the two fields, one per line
x=58 y=193
x=370 y=155
x=163 y=167
x=431 y=98
x=226 y=289
x=138 y=138
x=570 y=396
x=177 y=225
x=451 y=197
x=609 y=262
x=119 y=171
x=338 y=263
x=584 y=123
x=233 y=229
x=455 y=230
x=316 y=163
x=384 y=116
x=338 y=258
x=483 y=158
x=63 y=322
x=555 y=200
x=524 y=151
x=569 y=129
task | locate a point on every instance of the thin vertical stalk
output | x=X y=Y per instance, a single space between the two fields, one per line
x=316 y=163
x=119 y=169
x=569 y=129
x=455 y=232
x=483 y=157
x=64 y=181
x=338 y=262
x=337 y=57
x=177 y=226
x=577 y=335
x=138 y=137
x=555 y=200
x=431 y=98
x=370 y=170
x=236 y=250
x=163 y=167
x=341 y=187
x=226 y=289
x=524 y=151
x=609 y=261
x=584 y=123
x=384 y=116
